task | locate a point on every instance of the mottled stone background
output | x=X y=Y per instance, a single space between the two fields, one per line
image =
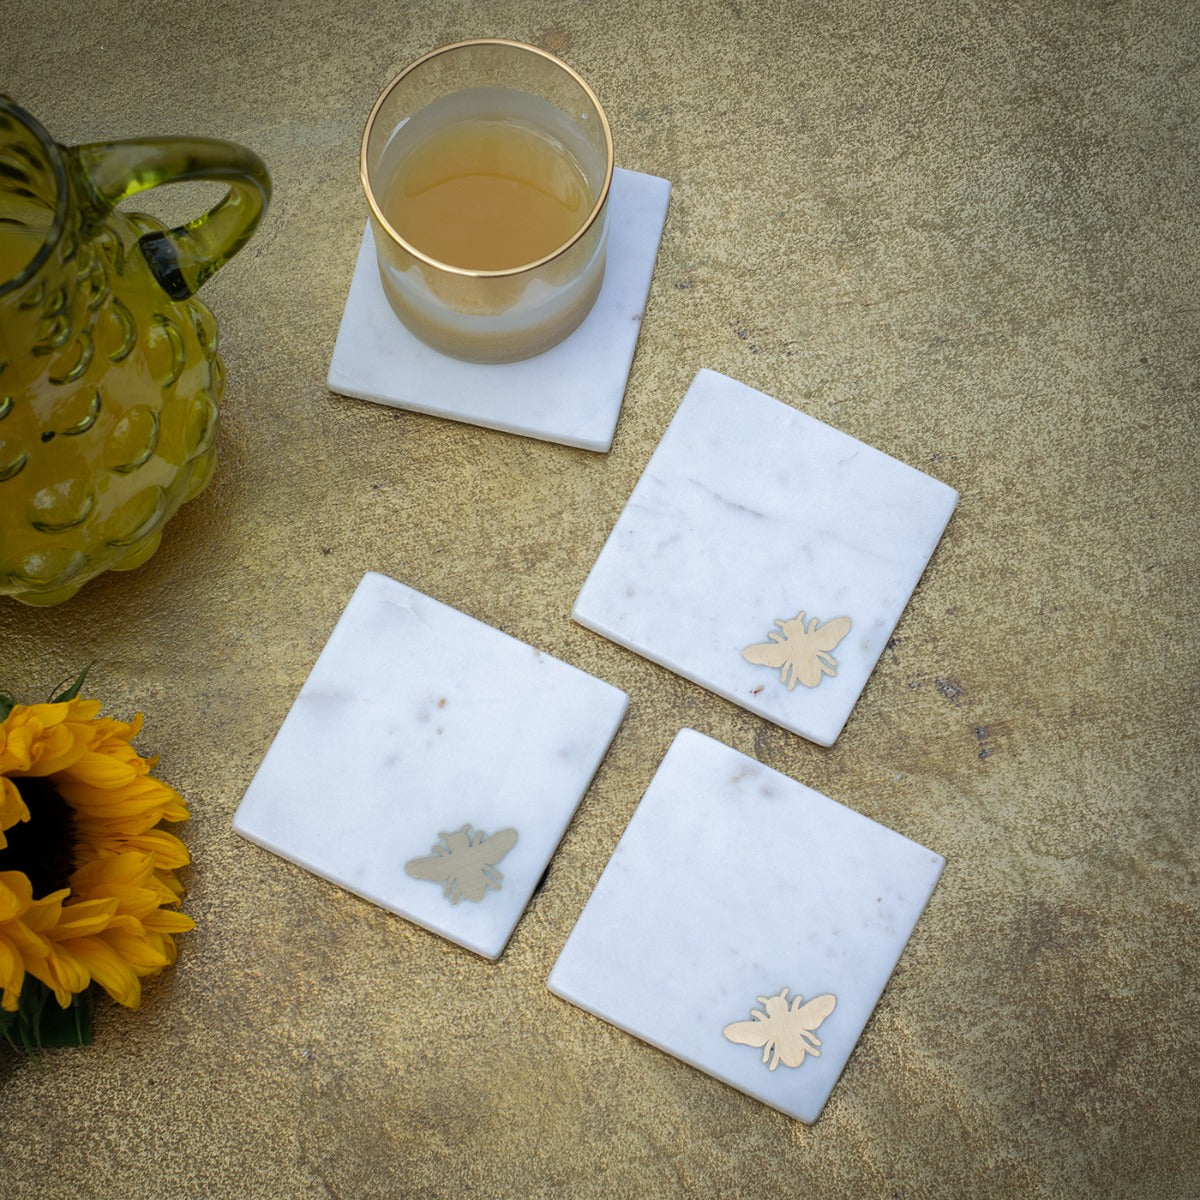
x=964 y=231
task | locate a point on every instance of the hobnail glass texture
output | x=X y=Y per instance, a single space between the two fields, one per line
x=109 y=385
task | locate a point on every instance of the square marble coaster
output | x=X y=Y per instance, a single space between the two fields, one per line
x=431 y=763
x=765 y=556
x=570 y=394
x=746 y=924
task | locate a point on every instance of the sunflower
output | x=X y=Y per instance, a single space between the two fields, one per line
x=88 y=891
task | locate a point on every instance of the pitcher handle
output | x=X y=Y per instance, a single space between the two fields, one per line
x=184 y=257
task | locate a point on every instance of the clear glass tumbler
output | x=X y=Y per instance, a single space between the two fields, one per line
x=502 y=143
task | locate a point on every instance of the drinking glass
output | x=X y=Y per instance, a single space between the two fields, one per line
x=484 y=313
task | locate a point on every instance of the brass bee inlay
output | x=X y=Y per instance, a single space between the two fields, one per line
x=464 y=862
x=785 y=1032
x=801 y=653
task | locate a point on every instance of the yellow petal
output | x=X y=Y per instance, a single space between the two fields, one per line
x=28 y=944
x=116 y=870
x=165 y=944
x=170 y=883
x=94 y=827
x=12 y=807
x=102 y=771
x=133 y=902
x=16 y=893
x=117 y=921
x=139 y=953
x=40 y=739
x=62 y=974
x=108 y=969
x=12 y=973
x=168 y=920
x=167 y=851
x=85 y=918
x=146 y=797
x=42 y=914
x=22 y=950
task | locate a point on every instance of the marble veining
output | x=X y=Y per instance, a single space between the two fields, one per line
x=571 y=394
x=748 y=514
x=733 y=889
x=421 y=727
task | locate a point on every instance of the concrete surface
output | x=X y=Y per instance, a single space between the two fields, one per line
x=963 y=231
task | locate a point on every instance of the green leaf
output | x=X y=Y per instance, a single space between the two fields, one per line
x=6 y=704
x=71 y=692
x=40 y=1021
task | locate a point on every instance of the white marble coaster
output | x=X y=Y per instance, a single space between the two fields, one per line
x=570 y=394
x=733 y=890
x=431 y=763
x=765 y=556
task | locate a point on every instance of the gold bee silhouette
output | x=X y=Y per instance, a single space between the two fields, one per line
x=464 y=863
x=801 y=654
x=786 y=1033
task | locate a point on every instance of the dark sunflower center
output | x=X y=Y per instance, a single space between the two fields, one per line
x=42 y=847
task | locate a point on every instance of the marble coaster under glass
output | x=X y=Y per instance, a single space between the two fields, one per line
x=765 y=556
x=570 y=394
x=431 y=764
x=746 y=924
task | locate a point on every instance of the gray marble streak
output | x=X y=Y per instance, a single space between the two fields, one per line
x=732 y=882
x=749 y=512
x=415 y=720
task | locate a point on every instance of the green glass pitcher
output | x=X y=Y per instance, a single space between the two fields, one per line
x=109 y=373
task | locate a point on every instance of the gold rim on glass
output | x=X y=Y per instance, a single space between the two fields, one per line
x=469 y=272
